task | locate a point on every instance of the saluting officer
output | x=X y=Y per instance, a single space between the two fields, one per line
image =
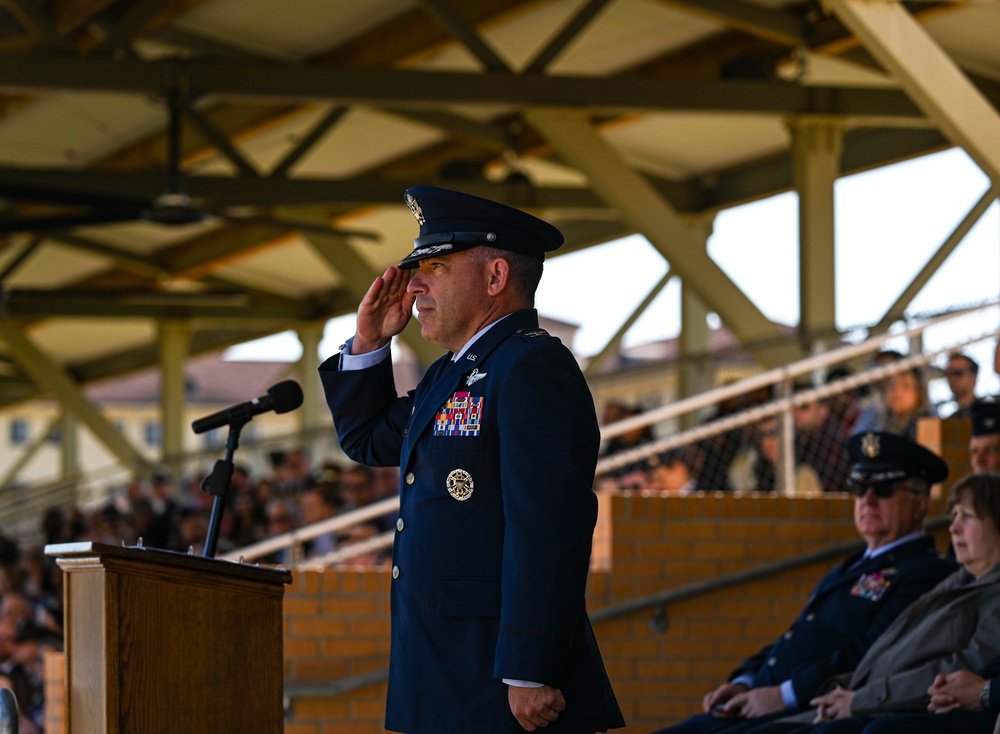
x=497 y=448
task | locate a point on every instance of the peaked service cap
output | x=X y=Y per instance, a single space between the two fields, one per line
x=985 y=418
x=451 y=221
x=889 y=457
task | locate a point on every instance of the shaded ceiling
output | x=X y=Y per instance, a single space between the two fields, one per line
x=239 y=165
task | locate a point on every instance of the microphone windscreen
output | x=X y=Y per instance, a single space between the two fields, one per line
x=285 y=396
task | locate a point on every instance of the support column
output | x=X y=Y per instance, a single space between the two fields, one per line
x=174 y=338
x=817 y=144
x=70 y=445
x=695 y=375
x=312 y=417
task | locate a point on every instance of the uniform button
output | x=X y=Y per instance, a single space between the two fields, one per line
x=395 y=572
x=810 y=617
x=399 y=523
x=789 y=635
x=410 y=479
x=771 y=662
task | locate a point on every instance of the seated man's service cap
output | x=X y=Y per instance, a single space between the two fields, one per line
x=889 y=457
x=451 y=221
x=985 y=418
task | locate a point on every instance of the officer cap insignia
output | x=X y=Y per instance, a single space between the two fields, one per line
x=460 y=484
x=418 y=213
x=870 y=445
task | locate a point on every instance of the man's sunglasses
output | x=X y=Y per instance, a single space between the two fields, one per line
x=882 y=490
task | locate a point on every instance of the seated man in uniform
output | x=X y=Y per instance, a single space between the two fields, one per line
x=890 y=479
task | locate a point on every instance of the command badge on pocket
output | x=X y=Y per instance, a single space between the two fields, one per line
x=459 y=484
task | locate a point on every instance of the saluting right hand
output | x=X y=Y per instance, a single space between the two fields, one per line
x=384 y=311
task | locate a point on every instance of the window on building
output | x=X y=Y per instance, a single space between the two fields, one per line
x=153 y=433
x=19 y=432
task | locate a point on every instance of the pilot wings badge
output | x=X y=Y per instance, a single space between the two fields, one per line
x=474 y=377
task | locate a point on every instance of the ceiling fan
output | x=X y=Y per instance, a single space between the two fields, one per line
x=62 y=210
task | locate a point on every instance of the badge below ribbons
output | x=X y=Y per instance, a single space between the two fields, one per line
x=460 y=416
x=871 y=586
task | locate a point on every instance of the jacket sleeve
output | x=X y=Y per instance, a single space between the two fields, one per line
x=368 y=415
x=548 y=453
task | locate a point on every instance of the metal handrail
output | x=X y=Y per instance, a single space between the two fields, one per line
x=658 y=602
x=786 y=372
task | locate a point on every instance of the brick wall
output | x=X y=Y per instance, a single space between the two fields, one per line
x=336 y=622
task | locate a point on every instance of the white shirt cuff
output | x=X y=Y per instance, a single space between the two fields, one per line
x=521 y=683
x=350 y=362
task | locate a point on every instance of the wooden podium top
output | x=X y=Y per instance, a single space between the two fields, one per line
x=142 y=554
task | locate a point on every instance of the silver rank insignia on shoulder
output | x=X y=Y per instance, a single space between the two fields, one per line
x=474 y=377
x=459 y=484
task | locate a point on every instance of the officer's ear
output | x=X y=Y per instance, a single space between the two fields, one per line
x=497 y=276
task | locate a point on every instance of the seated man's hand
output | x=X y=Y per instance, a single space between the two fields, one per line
x=958 y=690
x=721 y=695
x=535 y=707
x=833 y=705
x=755 y=702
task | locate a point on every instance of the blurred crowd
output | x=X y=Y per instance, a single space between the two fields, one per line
x=746 y=459
x=156 y=513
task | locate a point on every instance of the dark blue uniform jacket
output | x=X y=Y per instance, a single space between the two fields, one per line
x=497 y=454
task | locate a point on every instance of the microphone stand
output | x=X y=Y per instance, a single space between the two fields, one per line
x=217 y=484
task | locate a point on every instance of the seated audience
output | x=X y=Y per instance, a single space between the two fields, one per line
x=321 y=502
x=673 y=471
x=854 y=603
x=905 y=402
x=953 y=627
x=961 y=373
x=984 y=446
x=819 y=444
x=755 y=468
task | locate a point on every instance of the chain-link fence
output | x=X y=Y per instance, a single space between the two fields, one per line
x=785 y=429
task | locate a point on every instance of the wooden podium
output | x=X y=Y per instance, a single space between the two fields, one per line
x=167 y=643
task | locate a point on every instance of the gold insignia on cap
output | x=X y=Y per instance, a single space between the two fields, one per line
x=870 y=445
x=418 y=213
x=459 y=484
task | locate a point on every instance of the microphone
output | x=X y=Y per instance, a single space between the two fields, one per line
x=280 y=398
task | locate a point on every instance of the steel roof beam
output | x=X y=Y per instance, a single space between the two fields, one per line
x=259 y=82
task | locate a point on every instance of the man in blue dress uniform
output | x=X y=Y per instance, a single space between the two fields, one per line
x=497 y=448
x=852 y=605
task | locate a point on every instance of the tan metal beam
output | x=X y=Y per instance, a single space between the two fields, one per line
x=578 y=143
x=615 y=341
x=931 y=79
x=46 y=372
x=895 y=311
